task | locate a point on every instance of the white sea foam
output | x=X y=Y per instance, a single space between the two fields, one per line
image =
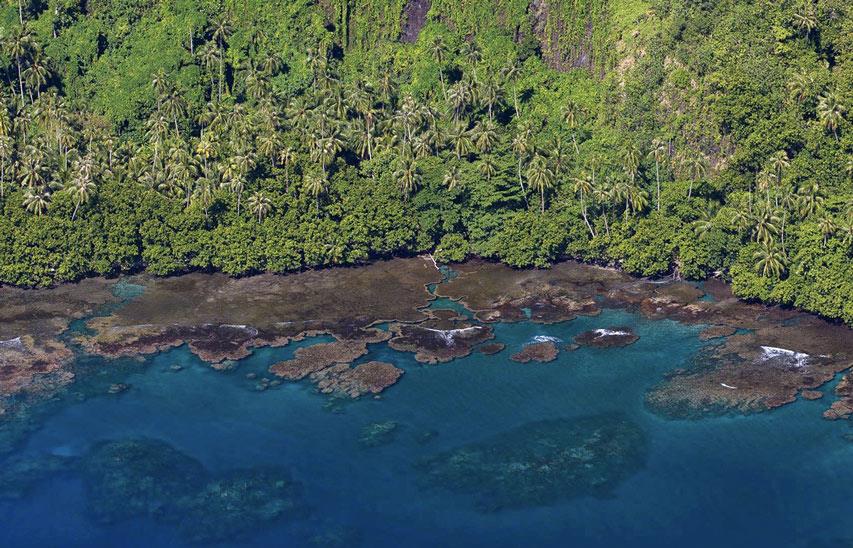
x=250 y=330
x=12 y=343
x=795 y=358
x=730 y=387
x=449 y=335
x=610 y=333
x=546 y=338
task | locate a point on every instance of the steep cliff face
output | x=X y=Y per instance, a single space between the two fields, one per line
x=567 y=34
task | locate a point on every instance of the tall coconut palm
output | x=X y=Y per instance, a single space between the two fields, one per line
x=438 y=50
x=221 y=31
x=694 y=164
x=571 y=116
x=766 y=226
x=806 y=19
x=407 y=176
x=827 y=227
x=830 y=111
x=779 y=161
x=522 y=147
x=287 y=157
x=540 y=177
x=771 y=261
x=19 y=45
x=315 y=185
x=485 y=136
x=259 y=205
x=203 y=194
x=658 y=153
x=810 y=198
x=81 y=190
x=583 y=185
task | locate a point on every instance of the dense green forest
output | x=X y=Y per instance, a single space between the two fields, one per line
x=686 y=137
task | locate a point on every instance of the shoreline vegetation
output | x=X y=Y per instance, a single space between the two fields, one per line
x=665 y=137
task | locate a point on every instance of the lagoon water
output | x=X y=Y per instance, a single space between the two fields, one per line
x=780 y=478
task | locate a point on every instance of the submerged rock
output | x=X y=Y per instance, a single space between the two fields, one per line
x=811 y=394
x=542 y=463
x=144 y=477
x=378 y=433
x=545 y=351
x=19 y=474
x=491 y=348
x=607 y=338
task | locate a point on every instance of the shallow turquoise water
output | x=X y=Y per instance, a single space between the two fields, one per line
x=774 y=479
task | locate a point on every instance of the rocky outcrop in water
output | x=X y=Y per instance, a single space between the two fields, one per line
x=542 y=352
x=541 y=463
x=607 y=338
x=842 y=408
x=436 y=341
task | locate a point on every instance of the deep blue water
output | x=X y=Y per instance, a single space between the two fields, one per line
x=774 y=479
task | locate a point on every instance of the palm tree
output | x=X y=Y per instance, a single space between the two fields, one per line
x=221 y=31
x=460 y=139
x=658 y=152
x=452 y=178
x=259 y=205
x=827 y=227
x=37 y=202
x=810 y=199
x=287 y=157
x=210 y=59
x=704 y=225
x=779 y=161
x=695 y=165
x=830 y=111
x=19 y=45
x=806 y=20
x=571 y=113
x=800 y=86
x=583 y=185
x=487 y=167
x=203 y=194
x=521 y=146
x=771 y=261
x=315 y=184
x=407 y=175
x=485 y=136
x=764 y=181
x=36 y=74
x=510 y=74
x=540 y=177
x=82 y=187
x=766 y=226
x=438 y=50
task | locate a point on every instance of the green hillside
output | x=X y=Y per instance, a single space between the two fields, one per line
x=689 y=137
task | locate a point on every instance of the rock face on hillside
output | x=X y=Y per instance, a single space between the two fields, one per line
x=415 y=16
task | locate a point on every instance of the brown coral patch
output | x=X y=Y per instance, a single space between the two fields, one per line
x=311 y=359
x=716 y=332
x=842 y=408
x=366 y=378
x=811 y=394
x=539 y=352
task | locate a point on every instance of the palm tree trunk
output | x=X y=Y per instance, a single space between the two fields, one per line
x=76 y=207
x=21 y=11
x=20 y=80
x=657 y=180
x=542 y=199
x=585 y=218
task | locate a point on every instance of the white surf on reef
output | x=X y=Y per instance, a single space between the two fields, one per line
x=449 y=335
x=789 y=356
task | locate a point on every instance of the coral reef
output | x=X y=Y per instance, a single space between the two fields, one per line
x=542 y=463
x=436 y=341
